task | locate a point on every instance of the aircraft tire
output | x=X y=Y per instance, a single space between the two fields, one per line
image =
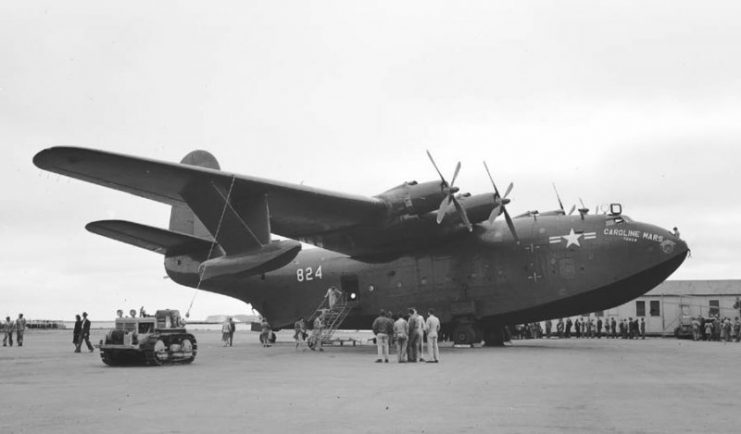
x=464 y=334
x=494 y=337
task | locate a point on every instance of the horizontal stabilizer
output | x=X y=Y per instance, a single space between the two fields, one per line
x=148 y=237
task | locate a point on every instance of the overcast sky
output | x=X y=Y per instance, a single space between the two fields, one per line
x=637 y=102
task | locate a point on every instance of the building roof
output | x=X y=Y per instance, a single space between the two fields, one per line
x=697 y=287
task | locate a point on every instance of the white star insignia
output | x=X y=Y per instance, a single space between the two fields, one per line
x=572 y=238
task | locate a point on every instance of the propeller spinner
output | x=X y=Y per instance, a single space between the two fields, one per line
x=450 y=190
x=500 y=202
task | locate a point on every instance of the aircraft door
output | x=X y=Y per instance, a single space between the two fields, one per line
x=349 y=285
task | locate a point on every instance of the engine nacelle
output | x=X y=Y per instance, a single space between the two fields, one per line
x=413 y=198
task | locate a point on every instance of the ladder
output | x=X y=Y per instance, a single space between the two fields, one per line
x=333 y=316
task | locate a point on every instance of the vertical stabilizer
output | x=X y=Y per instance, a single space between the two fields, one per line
x=182 y=218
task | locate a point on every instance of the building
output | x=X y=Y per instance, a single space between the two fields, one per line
x=664 y=306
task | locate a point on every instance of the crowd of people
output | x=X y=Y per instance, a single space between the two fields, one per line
x=627 y=328
x=407 y=331
x=716 y=329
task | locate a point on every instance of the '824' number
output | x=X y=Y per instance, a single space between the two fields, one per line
x=308 y=273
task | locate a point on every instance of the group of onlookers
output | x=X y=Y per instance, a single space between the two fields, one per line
x=408 y=332
x=627 y=328
x=9 y=327
x=716 y=329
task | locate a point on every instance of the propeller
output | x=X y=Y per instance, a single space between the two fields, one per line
x=560 y=204
x=500 y=202
x=449 y=190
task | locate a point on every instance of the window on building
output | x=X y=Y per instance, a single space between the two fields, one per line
x=599 y=313
x=714 y=308
x=640 y=308
x=654 y=307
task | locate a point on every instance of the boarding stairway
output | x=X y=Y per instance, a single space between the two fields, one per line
x=333 y=316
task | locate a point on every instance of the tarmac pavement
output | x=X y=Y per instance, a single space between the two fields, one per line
x=532 y=386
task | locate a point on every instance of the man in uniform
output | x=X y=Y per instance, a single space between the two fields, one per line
x=20 y=327
x=8 y=328
x=401 y=334
x=85 y=336
x=432 y=327
x=643 y=328
x=415 y=337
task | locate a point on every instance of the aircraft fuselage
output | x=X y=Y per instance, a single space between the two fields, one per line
x=563 y=265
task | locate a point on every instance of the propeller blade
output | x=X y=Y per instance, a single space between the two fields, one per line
x=436 y=168
x=511 y=225
x=509 y=189
x=455 y=175
x=560 y=204
x=573 y=208
x=491 y=179
x=495 y=213
x=443 y=207
x=462 y=213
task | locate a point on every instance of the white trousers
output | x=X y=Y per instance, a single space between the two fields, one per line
x=433 y=352
x=382 y=341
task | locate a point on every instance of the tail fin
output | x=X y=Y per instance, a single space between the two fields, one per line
x=182 y=218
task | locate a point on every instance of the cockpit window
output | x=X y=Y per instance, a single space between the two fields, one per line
x=612 y=220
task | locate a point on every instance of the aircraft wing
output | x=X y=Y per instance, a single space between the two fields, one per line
x=296 y=211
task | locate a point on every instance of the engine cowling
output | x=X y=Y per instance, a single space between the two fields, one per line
x=413 y=198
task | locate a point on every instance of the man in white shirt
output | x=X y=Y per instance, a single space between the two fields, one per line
x=432 y=327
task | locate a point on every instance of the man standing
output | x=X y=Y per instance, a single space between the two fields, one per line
x=401 y=334
x=432 y=327
x=77 y=332
x=414 y=336
x=643 y=328
x=548 y=327
x=333 y=296
x=383 y=327
x=8 y=328
x=599 y=328
x=20 y=327
x=232 y=329
x=613 y=328
x=85 y=335
x=299 y=331
x=316 y=334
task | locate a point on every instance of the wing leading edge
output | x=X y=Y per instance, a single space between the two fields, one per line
x=295 y=211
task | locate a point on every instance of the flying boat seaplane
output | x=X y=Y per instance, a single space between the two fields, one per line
x=420 y=244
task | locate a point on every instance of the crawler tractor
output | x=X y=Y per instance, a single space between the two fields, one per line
x=151 y=340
